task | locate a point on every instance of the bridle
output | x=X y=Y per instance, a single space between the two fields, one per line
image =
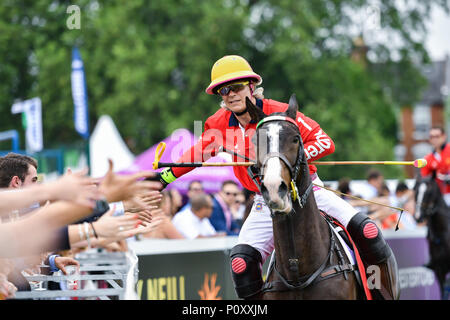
x=294 y=170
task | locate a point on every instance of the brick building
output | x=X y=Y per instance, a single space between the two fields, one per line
x=416 y=121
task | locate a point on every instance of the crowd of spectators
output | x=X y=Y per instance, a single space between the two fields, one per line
x=202 y=215
x=47 y=223
x=384 y=203
x=43 y=225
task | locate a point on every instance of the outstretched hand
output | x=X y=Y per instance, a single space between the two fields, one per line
x=143 y=215
x=143 y=202
x=7 y=289
x=109 y=226
x=154 y=224
x=62 y=262
x=76 y=187
x=106 y=242
x=125 y=187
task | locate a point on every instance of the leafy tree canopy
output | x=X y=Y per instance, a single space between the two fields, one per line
x=147 y=64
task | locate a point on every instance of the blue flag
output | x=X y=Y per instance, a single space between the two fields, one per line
x=79 y=94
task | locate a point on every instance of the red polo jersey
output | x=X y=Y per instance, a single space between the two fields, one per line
x=223 y=129
x=439 y=162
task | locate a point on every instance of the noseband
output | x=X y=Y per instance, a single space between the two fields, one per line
x=254 y=172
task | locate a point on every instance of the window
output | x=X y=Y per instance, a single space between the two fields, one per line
x=422 y=122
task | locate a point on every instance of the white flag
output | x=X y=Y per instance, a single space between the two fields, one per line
x=33 y=117
x=79 y=94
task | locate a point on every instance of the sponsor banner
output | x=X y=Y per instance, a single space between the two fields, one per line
x=185 y=276
x=79 y=94
x=416 y=281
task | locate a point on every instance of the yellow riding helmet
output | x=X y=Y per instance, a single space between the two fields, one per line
x=230 y=68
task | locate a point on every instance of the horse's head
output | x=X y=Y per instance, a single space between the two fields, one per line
x=427 y=193
x=279 y=154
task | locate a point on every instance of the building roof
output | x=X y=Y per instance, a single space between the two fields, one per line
x=438 y=76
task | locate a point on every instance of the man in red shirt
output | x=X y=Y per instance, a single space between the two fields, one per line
x=439 y=161
x=232 y=127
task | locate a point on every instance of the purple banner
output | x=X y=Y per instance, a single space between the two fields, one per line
x=411 y=251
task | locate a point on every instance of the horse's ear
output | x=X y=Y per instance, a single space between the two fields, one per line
x=433 y=174
x=418 y=176
x=255 y=113
x=293 y=107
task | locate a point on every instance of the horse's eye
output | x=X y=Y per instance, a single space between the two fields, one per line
x=295 y=140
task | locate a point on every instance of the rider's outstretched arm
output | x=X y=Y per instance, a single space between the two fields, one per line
x=205 y=148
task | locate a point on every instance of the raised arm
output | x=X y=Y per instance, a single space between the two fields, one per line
x=37 y=231
x=76 y=187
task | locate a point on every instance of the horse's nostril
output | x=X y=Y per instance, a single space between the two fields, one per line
x=282 y=190
x=273 y=204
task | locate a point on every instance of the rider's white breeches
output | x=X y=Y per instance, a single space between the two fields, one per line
x=447 y=199
x=257 y=229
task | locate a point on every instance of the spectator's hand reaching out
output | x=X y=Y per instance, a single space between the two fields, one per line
x=125 y=187
x=156 y=221
x=146 y=201
x=76 y=187
x=7 y=289
x=143 y=215
x=151 y=198
x=62 y=262
x=110 y=226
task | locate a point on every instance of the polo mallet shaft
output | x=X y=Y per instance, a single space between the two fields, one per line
x=418 y=163
x=223 y=149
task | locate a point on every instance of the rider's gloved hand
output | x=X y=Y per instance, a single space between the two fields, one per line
x=166 y=176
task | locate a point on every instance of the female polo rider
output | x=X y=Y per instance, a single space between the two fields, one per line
x=233 y=79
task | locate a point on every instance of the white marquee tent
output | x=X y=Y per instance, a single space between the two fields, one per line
x=106 y=142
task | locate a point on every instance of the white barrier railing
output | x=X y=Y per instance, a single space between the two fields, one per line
x=112 y=267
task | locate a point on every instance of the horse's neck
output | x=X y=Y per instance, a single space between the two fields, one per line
x=301 y=235
x=439 y=221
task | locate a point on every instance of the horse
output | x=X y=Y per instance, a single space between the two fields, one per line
x=431 y=207
x=310 y=262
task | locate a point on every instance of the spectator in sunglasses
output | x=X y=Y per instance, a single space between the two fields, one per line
x=222 y=217
x=238 y=208
x=195 y=188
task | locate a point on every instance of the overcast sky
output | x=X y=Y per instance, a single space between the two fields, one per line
x=438 y=42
